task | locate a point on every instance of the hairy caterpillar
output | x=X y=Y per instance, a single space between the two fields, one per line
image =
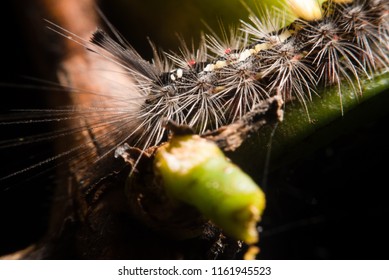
x=220 y=82
x=207 y=93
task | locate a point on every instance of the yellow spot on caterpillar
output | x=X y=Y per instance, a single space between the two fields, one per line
x=245 y=54
x=261 y=47
x=218 y=89
x=277 y=40
x=220 y=64
x=284 y=35
x=209 y=67
x=180 y=72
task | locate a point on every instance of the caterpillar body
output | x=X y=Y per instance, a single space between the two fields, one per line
x=221 y=82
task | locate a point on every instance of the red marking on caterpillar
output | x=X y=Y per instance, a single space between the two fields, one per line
x=191 y=62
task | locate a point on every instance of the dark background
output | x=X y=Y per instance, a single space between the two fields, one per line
x=332 y=204
x=24 y=203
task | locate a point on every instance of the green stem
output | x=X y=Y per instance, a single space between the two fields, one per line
x=195 y=171
x=301 y=133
